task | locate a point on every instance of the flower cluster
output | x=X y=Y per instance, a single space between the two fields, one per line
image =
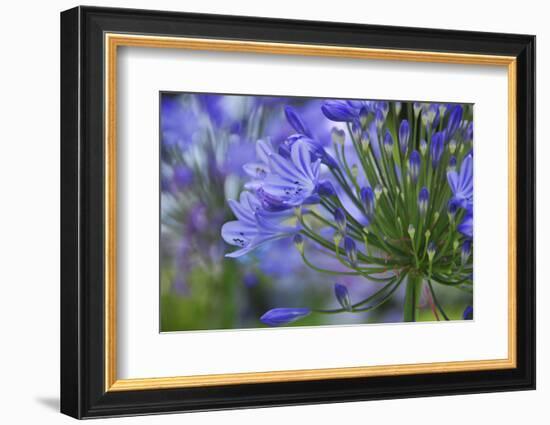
x=391 y=200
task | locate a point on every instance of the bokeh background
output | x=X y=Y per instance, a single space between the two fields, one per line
x=205 y=141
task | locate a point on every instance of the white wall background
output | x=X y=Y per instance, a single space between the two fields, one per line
x=29 y=212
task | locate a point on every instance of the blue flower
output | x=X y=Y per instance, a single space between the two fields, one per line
x=404 y=134
x=340 y=219
x=326 y=188
x=368 y=199
x=283 y=316
x=342 y=295
x=373 y=139
x=414 y=165
x=437 y=146
x=339 y=110
x=253 y=226
x=466 y=251
x=258 y=170
x=351 y=250
x=315 y=148
x=388 y=142
x=466 y=226
x=462 y=184
x=296 y=122
x=182 y=176
x=423 y=199
x=468 y=313
x=291 y=181
x=455 y=117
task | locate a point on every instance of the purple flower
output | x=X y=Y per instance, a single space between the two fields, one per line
x=414 y=165
x=437 y=146
x=455 y=117
x=351 y=250
x=466 y=251
x=342 y=295
x=404 y=134
x=182 y=176
x=423 y=199
x=296 y=122
x=368 y=199
x=283 y=316
x=326 y=188
x=291 y=181
x=462 y=184
x=254 y=227
x=466 y=226
x=339 y=110
x=314 y=146
x=388 y=142
x=468 y=313
x=340 y=219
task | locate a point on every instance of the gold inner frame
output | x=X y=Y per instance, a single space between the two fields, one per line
x=113 y=41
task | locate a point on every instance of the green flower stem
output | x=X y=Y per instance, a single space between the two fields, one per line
x=412 y=293
x=436 y=301
x=366 y=300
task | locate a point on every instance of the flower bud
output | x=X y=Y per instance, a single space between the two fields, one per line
x=368 y=199
x=283 y=316
x=354 y=171
x=431 y=251
x=397 y=108
x=378 y=191
x=414 y=166
x=468 y=313
x=299 y=243
x=411 y=231
x=338 y=135
x=437 y=146
x=404 y=135
x=342 y=295
x=363 y=116
x=365 y=141
x=452 y=164
x=417 y=107
x=351 y=250
x=466 y=251
x=452 y=146
x=388 y=143
x=340 y=218
x=325 y=188
x=423 y=147
x=423 y=199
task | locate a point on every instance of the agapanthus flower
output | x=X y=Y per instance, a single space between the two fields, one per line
x=414 y=166
x=438 y=144
x=254 y=227
x=404 y=134
x=284 y=316
x=291 y=181
x=423 y=199
x=466 y=226
x=377 y=210
x=342 y=295
x=462 y=184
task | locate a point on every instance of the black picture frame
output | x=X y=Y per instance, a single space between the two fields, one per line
x=82 y=219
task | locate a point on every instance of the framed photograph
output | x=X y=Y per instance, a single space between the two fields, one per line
x=261 y=212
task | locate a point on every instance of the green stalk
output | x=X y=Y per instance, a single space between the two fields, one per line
x=412 y=292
